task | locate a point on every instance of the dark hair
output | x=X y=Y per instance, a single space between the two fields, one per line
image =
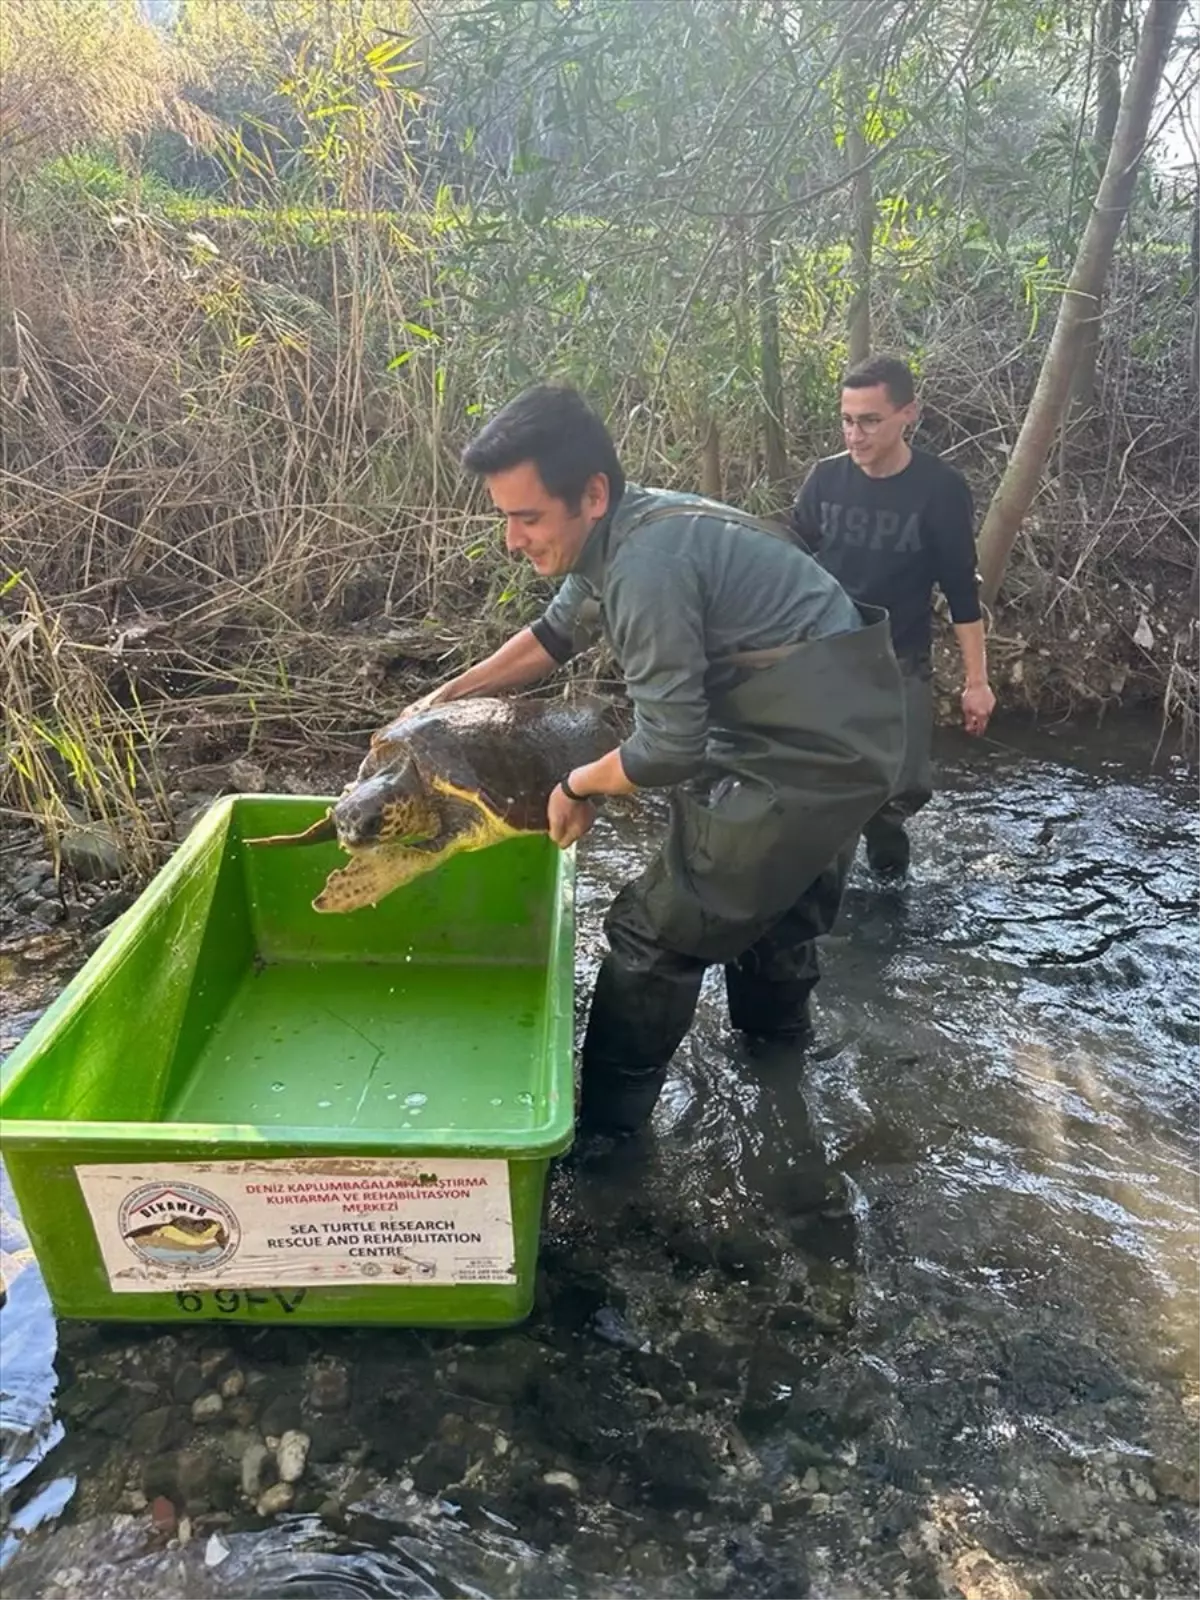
x=895 y=375
x=553 y=426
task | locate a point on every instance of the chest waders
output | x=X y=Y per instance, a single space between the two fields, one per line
x=803 y=748
x=884 y=835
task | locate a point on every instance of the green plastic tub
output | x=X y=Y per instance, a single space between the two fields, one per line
x=243 y=1109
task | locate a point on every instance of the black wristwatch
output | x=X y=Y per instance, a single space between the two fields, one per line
x=565 y=785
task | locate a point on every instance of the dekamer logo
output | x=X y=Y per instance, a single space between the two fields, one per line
x=180 y=1227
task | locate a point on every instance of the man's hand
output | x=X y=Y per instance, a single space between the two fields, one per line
x=568 y=819
x=425 y=703
x=978 y=703
x=520 y=661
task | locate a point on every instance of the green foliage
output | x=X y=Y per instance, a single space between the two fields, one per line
x=276 y=277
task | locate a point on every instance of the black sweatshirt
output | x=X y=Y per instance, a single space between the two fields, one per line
x=889 y=540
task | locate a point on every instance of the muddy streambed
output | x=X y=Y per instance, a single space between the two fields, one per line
x=914 y=1313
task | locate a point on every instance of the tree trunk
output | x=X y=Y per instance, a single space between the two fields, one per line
x=1020 y=482
x=774 y=435
x=1108 y=106
x=862 y=211
x=710 y=460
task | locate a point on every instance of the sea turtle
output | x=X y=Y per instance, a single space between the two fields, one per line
x=181 y=1233
x=454 y=777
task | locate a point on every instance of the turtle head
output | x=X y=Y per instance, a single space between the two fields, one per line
x=387 y=806
x=382 y=820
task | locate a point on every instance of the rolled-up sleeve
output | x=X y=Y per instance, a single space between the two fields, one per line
x=570 y=624
x=656 y=617
x=953 y=525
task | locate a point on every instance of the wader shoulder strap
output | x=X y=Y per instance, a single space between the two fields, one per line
x=710 y=508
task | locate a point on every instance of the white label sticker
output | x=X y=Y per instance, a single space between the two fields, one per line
x=324 y=1220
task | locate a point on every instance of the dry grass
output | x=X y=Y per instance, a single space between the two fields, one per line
x=231 y=514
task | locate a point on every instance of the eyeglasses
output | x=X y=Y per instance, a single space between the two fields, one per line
x=867 y=425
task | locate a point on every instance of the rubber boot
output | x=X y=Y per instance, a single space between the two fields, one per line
x=766 y=1009
x=637 y=1021
x=888 y=849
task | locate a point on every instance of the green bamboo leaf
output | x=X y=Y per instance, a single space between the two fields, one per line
x=382 y=55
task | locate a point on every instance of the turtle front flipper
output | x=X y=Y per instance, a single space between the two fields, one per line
x=322 y=831
x=369 y=875
x=374 y=872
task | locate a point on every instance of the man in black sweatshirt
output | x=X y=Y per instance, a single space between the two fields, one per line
x=890 y=521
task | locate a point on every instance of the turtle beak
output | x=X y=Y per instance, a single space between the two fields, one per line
x=358 y=816
x=321 y=832
x=357 y=828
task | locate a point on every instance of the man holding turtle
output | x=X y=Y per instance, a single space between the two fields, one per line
x=765 y=702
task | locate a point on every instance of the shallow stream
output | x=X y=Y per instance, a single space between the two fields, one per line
x=914 y=1313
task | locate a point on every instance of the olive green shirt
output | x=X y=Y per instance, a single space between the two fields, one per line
x=675 y=597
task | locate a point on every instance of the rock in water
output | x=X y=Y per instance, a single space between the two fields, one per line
x=94 y=852
x=292 y=1455
x=277 y=1498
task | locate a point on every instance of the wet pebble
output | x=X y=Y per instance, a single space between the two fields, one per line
x=331 y=1438
x=280 y=1415
x=246 y=776
x=233 y=1384
x=242 y=1412
x=150 y=1432
x=254 y=1470
x=562 y=1480
x=292 y=1455
x=108 y=907
x=1176 y=1483
x=501 y=1376
x=162 y=1515
x=675 y=1467
x=610 y=1326
x=94 y=852
x=329 y=1386
x=29 y=878
x=708 y=1361
x=441 y=1466
x=189 y=1383
x=276 y=1499
x=207 y=1407
x=214 y=1361
x=748 y=1255
x=1150 y=1558
x=89 y=1396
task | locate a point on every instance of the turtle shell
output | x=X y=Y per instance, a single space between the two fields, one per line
x=506 y=755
